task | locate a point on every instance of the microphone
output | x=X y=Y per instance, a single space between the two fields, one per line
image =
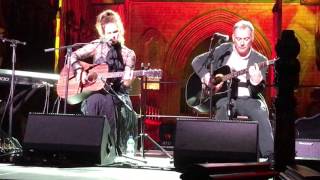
x=13 y=41
x=108 y=41
x=223 y=37
x=104 y=40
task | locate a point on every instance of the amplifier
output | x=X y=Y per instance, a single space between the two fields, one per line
x=308 y=149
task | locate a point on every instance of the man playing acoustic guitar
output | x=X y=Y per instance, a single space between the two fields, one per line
x=245 y=97
x=109 y=50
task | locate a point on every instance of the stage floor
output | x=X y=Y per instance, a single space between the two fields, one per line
x=147 y=168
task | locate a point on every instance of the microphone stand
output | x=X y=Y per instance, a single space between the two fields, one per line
x=219 y=41
x=143 y=116
x=209 y=56
x=66 y=62
x=13 y=44
x=118 y=96
x=229 y=105
x=104 y=80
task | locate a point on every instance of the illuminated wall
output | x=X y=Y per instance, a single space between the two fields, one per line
x=169 y=34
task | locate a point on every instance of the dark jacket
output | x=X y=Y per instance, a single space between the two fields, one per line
x=202 y=63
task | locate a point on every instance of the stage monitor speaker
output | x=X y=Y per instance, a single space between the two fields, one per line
x=83 y=139
x=308 y=149
x=203 y=140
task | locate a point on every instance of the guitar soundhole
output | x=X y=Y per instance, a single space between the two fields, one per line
x=92 y=77
x=217 y=79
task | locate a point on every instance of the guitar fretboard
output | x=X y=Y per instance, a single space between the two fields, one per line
x=152 y=73
x=244 y=71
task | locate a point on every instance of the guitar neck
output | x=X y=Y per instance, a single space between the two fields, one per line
x=120 y=74
x=244 y=71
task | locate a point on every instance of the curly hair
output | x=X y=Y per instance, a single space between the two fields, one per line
x=109 y=16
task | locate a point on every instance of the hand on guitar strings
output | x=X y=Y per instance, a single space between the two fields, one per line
x=255 y=74
x=81 y=76
x=213 y=83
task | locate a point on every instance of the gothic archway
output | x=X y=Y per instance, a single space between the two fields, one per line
x=201 y=28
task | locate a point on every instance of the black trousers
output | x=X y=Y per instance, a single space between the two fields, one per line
x=122 y=121
x=256 y=110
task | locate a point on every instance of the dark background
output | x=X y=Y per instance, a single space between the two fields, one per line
x=31 y=21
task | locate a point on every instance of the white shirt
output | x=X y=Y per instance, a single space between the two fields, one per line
x=237 y=63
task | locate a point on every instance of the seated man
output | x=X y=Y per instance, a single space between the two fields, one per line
x=245 y=97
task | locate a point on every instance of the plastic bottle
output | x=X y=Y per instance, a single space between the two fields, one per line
x=130 y=147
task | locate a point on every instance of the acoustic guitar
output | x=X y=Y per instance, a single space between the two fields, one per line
x=97 y=75
x=198 y=97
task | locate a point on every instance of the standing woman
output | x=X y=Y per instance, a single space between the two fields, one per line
x=110 y=49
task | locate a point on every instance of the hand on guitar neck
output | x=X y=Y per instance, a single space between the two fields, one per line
x=127 y=77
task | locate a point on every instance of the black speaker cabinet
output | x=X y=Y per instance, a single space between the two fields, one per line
x=202 y=140
x=75 y=137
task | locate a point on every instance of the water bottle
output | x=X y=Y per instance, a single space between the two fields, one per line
x=130 y=147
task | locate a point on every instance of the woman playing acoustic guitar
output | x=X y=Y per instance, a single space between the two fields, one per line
x=109 y=50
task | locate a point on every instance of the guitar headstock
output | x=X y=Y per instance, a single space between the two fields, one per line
x=272 y=61
x=153 y=73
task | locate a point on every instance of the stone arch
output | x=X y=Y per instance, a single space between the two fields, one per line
x=150 y=42
x=201 y=28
